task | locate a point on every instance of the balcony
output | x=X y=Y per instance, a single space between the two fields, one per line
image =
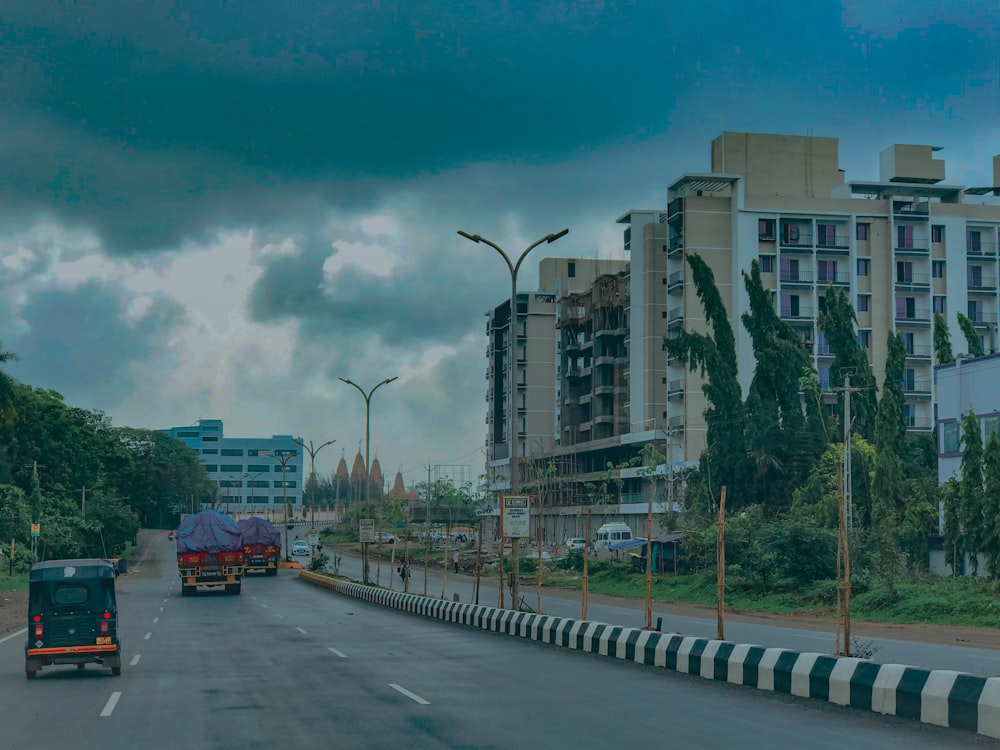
x=910 y=282
x=604 y=359
x=911 y=210
x=675 y=317
x=603 y=390
x=837 y=278
x=919 y=351
x=979 y=283
x=674 y=208
x=675 y=389
x=676 y=245
x=823 y=350
x=796 y=242
x=913 y=316
x=917 y=387
x=676 y=282
x=920 y=424
x=676 y=423
x=839 y=244
x=912 y=247
x=795 y=276
x=983 y=319
x=801 y=312
x=981 y=249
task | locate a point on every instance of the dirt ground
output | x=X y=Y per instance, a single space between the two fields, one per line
x=14 y=614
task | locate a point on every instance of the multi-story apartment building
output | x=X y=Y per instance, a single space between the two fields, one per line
x=903 y=247
x=538 y=389
x=247 y=470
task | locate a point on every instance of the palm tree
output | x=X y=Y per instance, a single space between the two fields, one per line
x=8 y=392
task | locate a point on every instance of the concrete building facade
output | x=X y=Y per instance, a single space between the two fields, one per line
x=248 y=471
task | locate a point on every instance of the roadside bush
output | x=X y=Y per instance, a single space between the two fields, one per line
x=319 y=562
x=573 y=561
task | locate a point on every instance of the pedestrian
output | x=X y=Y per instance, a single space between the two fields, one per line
x=454 y=559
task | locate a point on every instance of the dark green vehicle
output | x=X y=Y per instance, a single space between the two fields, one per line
x=72 y=616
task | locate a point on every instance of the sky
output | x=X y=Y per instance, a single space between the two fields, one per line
x=217 y=210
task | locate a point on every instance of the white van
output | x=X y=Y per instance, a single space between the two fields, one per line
x=611 y=533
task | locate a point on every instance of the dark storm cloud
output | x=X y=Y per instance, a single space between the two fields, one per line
x=155 y=122
x=435 y=300
x=79 y=344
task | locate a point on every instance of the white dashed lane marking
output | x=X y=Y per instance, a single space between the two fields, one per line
x=412 y=696
x=302 y=631
x=135 y=660
x=335 y=651
x=112 y=702
x=147 y=636
x=156 y=620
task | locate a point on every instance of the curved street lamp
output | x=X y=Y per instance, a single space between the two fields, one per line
x=514 y=267
x=313 y=452
x=368 y=409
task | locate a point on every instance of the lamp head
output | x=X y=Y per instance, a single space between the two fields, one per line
x=556 y=235
x=473 y=237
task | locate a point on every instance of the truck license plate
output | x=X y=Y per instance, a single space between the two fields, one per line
x=104 y=640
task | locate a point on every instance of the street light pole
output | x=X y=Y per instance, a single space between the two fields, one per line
x=368 y=484
x=283 y=458
x=253 y=498
x=313 y=452
x=513 y=267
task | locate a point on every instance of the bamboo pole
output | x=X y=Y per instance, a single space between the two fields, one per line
x=721 y=567
x=538 y=581
x=586 y=559
x=649 y=564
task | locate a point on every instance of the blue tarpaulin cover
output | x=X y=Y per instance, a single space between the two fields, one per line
x=259 y=531
x=209 y=531
x=627 y=544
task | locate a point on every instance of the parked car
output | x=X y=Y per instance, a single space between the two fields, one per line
x=576 y=544
x=300 y=547
x=381 y=536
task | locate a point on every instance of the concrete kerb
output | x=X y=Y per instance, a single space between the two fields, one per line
x=941 y=697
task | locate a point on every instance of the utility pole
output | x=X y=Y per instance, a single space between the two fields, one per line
x=83 y=501
x=847 y=390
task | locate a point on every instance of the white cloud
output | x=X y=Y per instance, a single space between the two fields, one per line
x=372 y=259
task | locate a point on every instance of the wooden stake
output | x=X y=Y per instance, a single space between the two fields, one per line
x=586 y=559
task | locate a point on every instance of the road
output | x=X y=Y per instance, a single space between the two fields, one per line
x=290 y=665
x=564 y=603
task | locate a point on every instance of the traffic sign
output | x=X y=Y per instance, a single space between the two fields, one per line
x=366 y=529
x=514 y=516
x=36 y=529
x=313 y=537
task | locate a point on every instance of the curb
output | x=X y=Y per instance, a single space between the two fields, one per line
x=941 y=697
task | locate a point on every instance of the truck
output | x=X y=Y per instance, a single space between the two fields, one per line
x=209 y=552
x=261 y=546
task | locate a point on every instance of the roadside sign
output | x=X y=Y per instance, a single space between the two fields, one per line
x=515 y=521
x=366 y=530
x=313 y=537
x=36 y=529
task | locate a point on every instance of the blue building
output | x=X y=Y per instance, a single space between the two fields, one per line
x=248 y=471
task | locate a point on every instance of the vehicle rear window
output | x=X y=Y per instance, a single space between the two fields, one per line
x=70 y=593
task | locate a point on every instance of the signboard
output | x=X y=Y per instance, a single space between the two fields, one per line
x=514 y=518
x=366 y=529
x=313 y=537
x=36 y=529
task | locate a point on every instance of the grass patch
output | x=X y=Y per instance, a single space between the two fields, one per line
x=17 y=582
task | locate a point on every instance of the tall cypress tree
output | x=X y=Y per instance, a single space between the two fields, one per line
x=970 y=488
x=714 y=356
x=838 y=324
x=942 y=341
x=888 y=482
x=971 y=337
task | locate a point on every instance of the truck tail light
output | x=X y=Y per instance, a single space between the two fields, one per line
x=38 y=632
x=104 y=627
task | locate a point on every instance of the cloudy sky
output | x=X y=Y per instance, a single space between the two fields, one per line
x=218 y=209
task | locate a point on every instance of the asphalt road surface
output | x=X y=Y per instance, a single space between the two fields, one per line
x=565 y=603
x=289 y=665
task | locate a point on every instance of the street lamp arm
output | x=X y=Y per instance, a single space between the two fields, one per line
x=480 y=238
x=351 y=382
x=549 y=238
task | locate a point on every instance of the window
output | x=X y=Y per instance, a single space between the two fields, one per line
x=864 y=302
x=939 y=305
x=790 y=305
x=904 y=237
x=822 y=304
x=289 y=469
x=906 y=307
x=258 y=467
x=908 y=339
x=949 y=437
x=211 y=468
x=976 y=310
x=990 y=425
x=827 y=270
x=765 y=229
x=289 y=485
x=232 y=451
x=864 y=339
x=937 y=233
x=864 y=266
x=766 y=263
x=209 y=451
x=826 y=234
x=974 y=276
x=973 y=242
x=187 y=434
x=789 y=269
x=232 y=467
x=210 y=440
x=824 y=378
x=571 y=269
x=904 y=272
x=863 y=230
x=252 y=452
x=909 y=380
x=937 y=269
x=71 y=594
x=790 y=234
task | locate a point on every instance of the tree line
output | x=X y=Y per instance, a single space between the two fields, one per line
x=89 y=485
x=778 y=449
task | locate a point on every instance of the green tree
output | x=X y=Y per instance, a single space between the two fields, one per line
x=8 y=387
x=714 y=356
x=991 y=504
x=774 y=416
x=942 y=341
x=838 y=325
x=971 y=496
x=971 y=337
x=951 y=496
